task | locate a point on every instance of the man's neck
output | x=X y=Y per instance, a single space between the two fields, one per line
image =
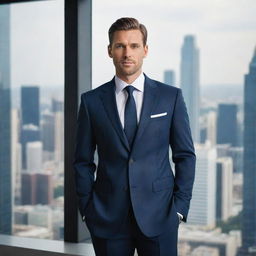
x=129 y=79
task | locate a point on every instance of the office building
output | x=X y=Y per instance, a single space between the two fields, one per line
x=227 y=124
x=59 y=137
x=30 y=105
x=208 y=128
x=190 y=84
x=169 y=77
x=195 y=239
x=37 y=188
x=249 y=170
x=57 y=105
x=211 y=127
x=28 y=188
x=48 y=135
x=224 y=183
x=29 y=133
x=34 y=151
x=40 y=215
x=205 y=251
x=203 y=203
x=44 y=188
x=236 y=153
x=5 y=124
x=16 y=156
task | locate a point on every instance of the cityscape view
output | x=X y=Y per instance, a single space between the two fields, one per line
x=222 y=217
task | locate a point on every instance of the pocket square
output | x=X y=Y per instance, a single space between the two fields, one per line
x=158 y=115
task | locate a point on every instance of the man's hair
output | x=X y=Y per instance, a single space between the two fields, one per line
x=127 y=24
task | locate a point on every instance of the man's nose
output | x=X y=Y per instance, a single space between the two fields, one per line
x=127 y=52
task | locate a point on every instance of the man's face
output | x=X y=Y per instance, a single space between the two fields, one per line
x=127 y=51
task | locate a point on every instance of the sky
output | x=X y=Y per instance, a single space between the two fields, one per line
x=225 y=32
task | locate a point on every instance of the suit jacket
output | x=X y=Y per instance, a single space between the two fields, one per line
x=140 y=176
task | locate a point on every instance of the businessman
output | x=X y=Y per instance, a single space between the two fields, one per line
x=132 y=198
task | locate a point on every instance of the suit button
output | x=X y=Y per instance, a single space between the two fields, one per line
x=125 y=188
x=131 y=161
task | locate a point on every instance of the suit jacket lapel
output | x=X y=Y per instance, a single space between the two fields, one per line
x=108 y=98
x=150 y=99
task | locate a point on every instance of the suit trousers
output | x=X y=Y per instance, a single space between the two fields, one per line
x=130 y=237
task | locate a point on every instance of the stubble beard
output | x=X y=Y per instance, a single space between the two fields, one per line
x=127 y=72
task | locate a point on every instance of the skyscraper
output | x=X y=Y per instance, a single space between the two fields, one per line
x=57 y=105
x=224 y=183
x=189 y=82
x=30 y=105
x=227 y=124
x=37 y=188
x=34 y=151
x=5 y=124
x=203 y=203
x=249 y=170
x=169 y=77
x=59 y=135
x=47 y=134
x=29 y=133
x=30 y=118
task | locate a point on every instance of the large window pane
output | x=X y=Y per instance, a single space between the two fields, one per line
x=205 y=48
x=32 y=119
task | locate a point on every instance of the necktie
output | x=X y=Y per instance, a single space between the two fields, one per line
x=130 y=115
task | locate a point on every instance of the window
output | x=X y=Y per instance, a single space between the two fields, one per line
x=204 y=48
x=32 y=119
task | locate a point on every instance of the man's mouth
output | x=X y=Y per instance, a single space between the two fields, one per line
x=127 y=62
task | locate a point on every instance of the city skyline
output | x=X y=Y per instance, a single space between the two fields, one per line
x=226 y=38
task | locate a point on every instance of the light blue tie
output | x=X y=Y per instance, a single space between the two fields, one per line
x=130 y=115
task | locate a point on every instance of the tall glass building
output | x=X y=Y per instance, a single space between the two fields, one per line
x=30 y=105
x=5 y=138
x=249 y=186
x=189 y=81
x=227 y=124
x=169 y=77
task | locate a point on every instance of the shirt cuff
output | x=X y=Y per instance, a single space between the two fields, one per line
x=180 y=215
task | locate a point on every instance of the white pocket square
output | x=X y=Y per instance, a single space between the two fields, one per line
x=158 y=115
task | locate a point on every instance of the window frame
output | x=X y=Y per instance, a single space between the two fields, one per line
x=77 y=79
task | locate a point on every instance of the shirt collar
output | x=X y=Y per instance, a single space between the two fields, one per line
x=138 y=83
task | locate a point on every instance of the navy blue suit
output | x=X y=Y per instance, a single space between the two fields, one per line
x=140 y=176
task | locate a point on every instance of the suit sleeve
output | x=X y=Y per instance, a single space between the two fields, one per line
x=84 y=165
x=183 y=156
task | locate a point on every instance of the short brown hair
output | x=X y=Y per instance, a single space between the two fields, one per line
x=127 y=24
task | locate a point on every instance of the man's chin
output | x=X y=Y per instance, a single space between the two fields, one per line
x=129 y=72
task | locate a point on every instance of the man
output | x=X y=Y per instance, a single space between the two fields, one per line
x=135 y=201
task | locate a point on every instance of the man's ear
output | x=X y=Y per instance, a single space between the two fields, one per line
x=110 y=51
x=145 y=51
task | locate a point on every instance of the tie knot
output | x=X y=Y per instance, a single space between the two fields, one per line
x=129 y=89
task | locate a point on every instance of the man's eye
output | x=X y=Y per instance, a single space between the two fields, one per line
x=135 y=46
x=119 y=46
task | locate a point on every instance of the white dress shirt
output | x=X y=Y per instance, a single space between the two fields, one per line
x=122 y=95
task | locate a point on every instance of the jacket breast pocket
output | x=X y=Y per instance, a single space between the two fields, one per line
x=163 y=184
x=159 y=118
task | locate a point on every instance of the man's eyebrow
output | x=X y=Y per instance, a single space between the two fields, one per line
x=119 y=43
